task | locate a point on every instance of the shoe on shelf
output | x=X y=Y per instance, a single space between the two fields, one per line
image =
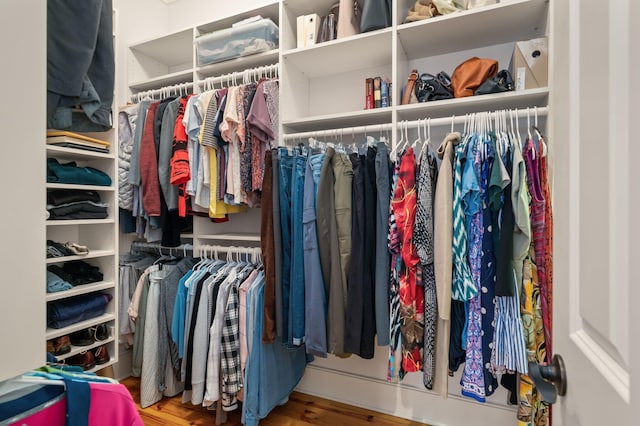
x=100 y=332
x=76 y=248
x=59 y=345
x=82 y=338
x=101 y=355
x=85 y=359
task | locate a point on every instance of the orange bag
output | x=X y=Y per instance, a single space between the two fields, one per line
x=470 y=74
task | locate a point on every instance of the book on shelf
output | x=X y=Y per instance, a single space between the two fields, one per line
x=368 y=93
x=377 y=96
x=384 y=93
x=76 y=140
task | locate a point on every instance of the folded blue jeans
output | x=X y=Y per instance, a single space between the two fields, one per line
x=62 y=313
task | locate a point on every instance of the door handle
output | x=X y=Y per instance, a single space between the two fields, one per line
x=550 y=380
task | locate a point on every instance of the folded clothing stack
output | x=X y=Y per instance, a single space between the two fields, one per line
x=73 y=174
x=56 y=283
x=75 y=204
x=77 y=272
x=63 y=313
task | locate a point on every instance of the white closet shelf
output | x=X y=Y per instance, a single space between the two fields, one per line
x=80 y=289
x=457 y=106
x=112 y=361
x=81 y=187
x=269 y=10
x=241 y=63
x=366 y=50
x=187 y=236
x=333 y=121
x=75 y=154
x=235 y=236
x=305 y=7
x=57 y=332
x=177 y=77
x=485 y=26
x=77 y=349
x=91 y=255
x=79 y=222
x=171 y=49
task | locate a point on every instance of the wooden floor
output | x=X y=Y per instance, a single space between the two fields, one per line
x=300 y=410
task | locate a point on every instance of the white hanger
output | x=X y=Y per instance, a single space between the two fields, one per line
x=419 y=139
x=427 y=133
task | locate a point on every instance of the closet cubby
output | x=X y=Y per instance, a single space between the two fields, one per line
x=161 y=61
x=99 y=235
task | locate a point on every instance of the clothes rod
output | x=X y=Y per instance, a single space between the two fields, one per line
x=441 y=121
x=245 y=74
x=153 y=247
x=167 y=90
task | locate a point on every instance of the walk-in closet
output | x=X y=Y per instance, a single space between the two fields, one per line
x=319 y=212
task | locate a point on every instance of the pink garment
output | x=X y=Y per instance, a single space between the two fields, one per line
x=54 y=415
x=112 y=405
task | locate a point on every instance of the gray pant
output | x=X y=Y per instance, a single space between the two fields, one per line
x=330 y=255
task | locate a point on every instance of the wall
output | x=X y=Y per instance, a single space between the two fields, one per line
x=22 y=216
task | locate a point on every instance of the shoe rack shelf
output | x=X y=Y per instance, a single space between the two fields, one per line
x=91 y=255
x=99 y=235
x=75 y=350
x=57 y=332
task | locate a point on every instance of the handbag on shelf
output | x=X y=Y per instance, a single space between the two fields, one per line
x=348 y=18
x=376 y=14
x=433 y=88
x=410 y=87
x=470 y=74
x=502 y=82
x=327 y=30
x=422 y=9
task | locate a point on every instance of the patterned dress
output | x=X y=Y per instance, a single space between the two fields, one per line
x=411 y=296
x=473 y=380
x=394 y=372
x=533 y=410
x=423 y=241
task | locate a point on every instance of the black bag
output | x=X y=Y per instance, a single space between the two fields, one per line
x=433 y=88
x=502 y=82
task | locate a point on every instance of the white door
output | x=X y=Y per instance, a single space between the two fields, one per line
x=594 y=53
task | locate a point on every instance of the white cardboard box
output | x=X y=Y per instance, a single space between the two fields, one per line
x=530 y=64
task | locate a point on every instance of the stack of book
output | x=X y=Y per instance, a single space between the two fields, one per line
x=377 y=93
x=76 y=140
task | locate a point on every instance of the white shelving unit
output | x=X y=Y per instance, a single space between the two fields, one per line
x=99 y=235
x=322 y=87
x=171 y=59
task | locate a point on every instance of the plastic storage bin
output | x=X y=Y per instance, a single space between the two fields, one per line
x=243 y=40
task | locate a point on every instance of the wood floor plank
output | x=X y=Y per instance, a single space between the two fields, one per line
x=300 y=410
